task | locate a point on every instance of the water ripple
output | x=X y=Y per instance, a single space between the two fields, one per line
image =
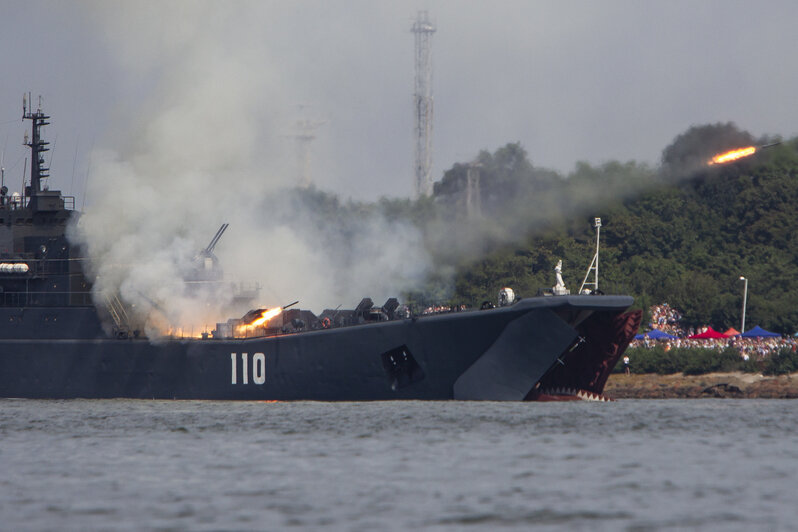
x=193 y=465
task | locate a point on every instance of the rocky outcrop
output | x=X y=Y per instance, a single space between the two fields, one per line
x=721 y=385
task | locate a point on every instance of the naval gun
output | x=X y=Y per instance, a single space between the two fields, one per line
x=206 y=264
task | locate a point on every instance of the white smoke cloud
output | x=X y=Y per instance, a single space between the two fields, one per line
x=200 y=146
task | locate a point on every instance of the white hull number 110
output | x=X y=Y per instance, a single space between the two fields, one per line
x=258 y=368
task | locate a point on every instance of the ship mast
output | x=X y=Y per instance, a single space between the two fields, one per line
x=37 y=147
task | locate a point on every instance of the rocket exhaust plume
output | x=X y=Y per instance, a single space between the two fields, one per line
x=255 y=319
x=264 y=316
x=732 y=155
x=738 y=153
x=260 y=318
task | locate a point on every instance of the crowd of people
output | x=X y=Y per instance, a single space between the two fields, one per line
x=749 y=347
x=667 y=319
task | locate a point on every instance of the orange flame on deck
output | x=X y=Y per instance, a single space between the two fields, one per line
x=261 y=321
x=266 y=316
x=181 y=332
x=732 y=155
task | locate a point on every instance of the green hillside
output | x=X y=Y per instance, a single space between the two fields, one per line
x=682 y=233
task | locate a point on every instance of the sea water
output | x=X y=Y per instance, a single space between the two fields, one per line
x=708 y=464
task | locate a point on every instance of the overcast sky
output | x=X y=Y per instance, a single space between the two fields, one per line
x=226 y=81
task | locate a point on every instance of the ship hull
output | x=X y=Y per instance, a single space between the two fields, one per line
x=498 y=354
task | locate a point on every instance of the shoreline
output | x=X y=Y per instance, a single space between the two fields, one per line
x=735 y=385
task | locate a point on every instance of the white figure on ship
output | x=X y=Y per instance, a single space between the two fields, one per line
x=559 y=289
x=506 y=297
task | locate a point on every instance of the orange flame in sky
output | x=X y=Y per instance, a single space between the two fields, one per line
x=732 y=155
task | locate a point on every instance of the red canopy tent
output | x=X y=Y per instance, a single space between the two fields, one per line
x=709 y=333
x=731 y=332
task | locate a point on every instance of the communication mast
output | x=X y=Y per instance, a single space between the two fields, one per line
x=306 y=133
x=423 y=30
x=37 y=146
x=594 y=264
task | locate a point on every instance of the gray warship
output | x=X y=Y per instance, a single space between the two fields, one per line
x=56 y=341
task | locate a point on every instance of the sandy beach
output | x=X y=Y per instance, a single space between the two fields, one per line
x=731 y=385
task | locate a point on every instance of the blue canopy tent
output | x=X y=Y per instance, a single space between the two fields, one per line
x=758 y=332
x=655 y=335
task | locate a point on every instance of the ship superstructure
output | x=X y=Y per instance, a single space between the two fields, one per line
x=43 y=287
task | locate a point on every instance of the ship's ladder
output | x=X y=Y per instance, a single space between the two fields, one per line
x=117 y=311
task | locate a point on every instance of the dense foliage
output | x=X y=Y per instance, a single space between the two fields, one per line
x=697 y=361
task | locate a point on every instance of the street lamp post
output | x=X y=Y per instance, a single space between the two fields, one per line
x=745 y=297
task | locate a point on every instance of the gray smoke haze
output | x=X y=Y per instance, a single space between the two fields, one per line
x=186 y=111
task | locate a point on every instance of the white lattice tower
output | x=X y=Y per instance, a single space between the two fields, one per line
x=423 y=30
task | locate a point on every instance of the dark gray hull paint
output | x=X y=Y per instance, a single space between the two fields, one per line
x=497 y=354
